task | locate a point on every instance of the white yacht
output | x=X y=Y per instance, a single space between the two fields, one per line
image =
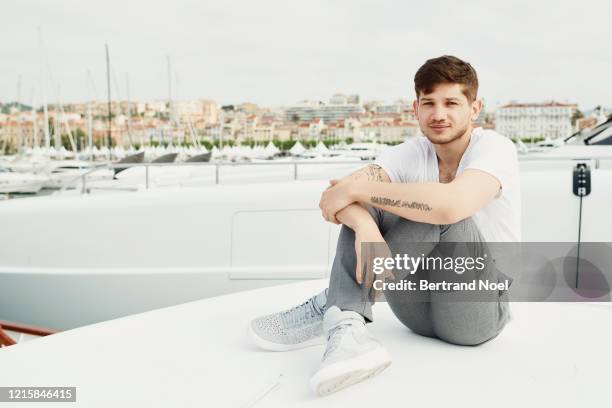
x=594 y=141
x=27 y=164
x=363 y=151
x=164 y=246
x=170 y=278
x=67 y=173
x=15 y=182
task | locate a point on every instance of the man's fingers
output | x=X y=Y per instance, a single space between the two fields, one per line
x=329 y=218
x=358 y=272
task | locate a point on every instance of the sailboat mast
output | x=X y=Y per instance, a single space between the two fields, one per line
x=43 y=86
x=89 y=116
x=169 y=89
x=129 y=109
x=22 y=141
x=108 y=90
x=34 y=117
x=170 y=110
x=64 y=120
x=57 y=130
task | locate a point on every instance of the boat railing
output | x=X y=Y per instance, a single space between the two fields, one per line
x=6 y=340
x=82 y=178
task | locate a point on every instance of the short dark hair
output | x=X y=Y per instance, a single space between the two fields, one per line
x=446 y=70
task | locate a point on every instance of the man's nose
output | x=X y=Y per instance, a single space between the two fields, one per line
x=438 y=114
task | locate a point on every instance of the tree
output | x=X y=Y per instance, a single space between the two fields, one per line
x=576 y=115
x=80 y=138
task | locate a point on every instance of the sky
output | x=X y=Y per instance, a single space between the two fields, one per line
x=276 y=53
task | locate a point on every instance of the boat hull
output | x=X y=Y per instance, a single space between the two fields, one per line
x=71 y=261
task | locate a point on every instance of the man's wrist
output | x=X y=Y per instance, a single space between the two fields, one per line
x=355 y=190
x=366 y=225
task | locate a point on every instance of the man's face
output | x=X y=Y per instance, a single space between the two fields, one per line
x=445 y=114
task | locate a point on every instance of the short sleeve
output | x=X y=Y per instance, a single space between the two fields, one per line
x=401 y=161
x=496 y=155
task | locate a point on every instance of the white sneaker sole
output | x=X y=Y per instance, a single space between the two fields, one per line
x=271 y=346
x=338 y=376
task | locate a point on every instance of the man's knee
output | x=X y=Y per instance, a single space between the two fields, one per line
x=412 y=311
x=467 y=338
x=468 y=324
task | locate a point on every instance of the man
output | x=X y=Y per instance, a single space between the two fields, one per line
x=454 y=184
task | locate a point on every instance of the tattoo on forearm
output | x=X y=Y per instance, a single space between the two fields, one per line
x=400 y=203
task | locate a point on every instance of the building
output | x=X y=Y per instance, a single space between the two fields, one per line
x=339 y=107
x=311 y=130
x=550 y=120
x=387 y=130
x=285 y=132
x=341 y=99
x=344 y=129
x=485 y=120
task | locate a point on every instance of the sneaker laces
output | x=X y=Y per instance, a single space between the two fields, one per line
x=334 y=338
x=299 y=314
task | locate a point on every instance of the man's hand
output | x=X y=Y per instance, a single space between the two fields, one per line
x=336 y=197
x=357 y=218
x=366 y=234
x=342 y=191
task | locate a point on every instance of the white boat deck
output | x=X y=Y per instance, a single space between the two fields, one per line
x=197 y=355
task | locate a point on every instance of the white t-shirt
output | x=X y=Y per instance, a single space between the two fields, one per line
x=415 y=160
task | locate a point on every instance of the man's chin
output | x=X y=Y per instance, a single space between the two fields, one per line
x=443 y=138
x=440 y=138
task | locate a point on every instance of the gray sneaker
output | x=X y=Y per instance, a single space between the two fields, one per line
x=352 y=354
x=292 y=329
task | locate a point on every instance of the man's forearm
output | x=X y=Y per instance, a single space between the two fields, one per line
x=355 y=216
x=421 y=202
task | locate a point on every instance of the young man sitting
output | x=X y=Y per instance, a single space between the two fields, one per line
x=454 y=183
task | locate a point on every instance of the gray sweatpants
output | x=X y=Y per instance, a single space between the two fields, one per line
x=423 y=311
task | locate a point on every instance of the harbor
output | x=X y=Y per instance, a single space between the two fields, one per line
x=306 y=204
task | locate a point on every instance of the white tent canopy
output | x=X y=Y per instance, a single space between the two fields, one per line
x=320 y=148
x=297 y=148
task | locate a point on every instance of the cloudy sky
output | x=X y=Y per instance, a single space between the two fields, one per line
x=278 y=52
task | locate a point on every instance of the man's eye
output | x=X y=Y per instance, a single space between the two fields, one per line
x=452 y=103
x=427 y=103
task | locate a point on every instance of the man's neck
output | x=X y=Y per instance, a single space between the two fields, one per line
x=449 y=154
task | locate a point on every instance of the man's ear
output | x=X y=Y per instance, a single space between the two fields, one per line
x=415 y=107
x=476 y=108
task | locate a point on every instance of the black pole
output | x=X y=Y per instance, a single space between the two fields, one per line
x=109 y=136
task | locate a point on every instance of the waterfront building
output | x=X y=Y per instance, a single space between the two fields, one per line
x=339 y=107
x=550 y=119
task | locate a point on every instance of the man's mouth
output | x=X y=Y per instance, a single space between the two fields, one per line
x=439 y=127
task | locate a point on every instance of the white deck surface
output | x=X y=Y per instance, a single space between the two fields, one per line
x=197 y=355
